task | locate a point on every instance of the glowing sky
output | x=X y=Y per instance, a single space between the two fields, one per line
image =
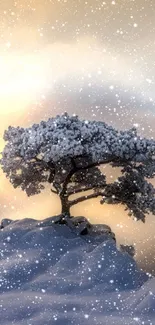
x=94 y=58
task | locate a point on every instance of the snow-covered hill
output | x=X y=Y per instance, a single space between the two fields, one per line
x=50 y=274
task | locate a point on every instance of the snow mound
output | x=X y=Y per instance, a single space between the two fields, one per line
x=52 y=274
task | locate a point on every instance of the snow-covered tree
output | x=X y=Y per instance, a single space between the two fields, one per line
x=67 y=152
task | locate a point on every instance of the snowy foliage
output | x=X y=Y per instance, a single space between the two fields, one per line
x=68 y=137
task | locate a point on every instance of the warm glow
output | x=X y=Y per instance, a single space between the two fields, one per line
x=23 y=81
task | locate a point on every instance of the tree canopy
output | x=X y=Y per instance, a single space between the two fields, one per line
x=67 y=152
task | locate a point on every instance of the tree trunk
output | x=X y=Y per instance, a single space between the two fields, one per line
x=65 y=208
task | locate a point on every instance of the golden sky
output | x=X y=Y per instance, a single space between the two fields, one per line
x=93 y=58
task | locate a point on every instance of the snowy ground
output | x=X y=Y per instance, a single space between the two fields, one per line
x=51 y=275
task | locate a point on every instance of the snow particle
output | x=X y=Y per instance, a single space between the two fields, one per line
x=86 y=316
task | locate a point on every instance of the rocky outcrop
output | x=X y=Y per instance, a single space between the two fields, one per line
x=5 y=222
x=129 y=249
x=79 y=225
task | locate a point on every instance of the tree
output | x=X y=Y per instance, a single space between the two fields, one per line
x=67 y=152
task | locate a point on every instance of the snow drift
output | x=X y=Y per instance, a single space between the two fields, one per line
x=51 y=274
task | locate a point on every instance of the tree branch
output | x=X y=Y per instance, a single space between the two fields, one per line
x=65 y=183
x=84 y=198
x=77 y=190
x=76 y=168
x=101 y=162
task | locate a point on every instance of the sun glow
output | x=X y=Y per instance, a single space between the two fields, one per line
x=21 y=79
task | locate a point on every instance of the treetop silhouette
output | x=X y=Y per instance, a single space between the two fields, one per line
x=67 y=152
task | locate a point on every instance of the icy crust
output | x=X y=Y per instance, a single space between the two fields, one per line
x=50 y=274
